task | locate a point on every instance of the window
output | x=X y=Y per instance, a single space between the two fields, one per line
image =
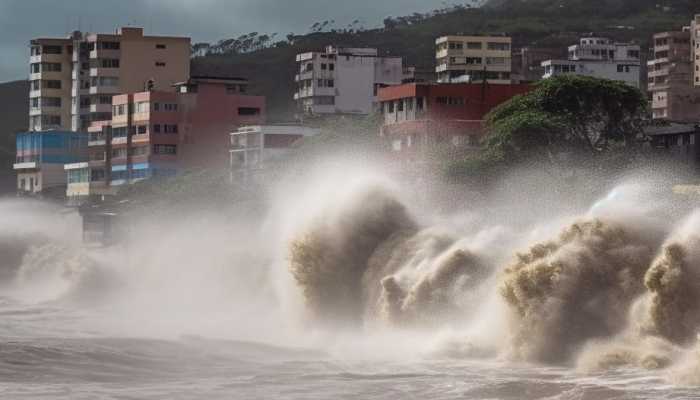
x=324 y=66
x=156 y=106
x=35 y=50
x=34 y=101
x=120 y=132
x=248 y=111
x=156 y=128
x=139 y=174
x=140 y=151
x=499 y=46
x=473 y=60
x=35 y=85
x=330 y=83
x=160 y=64
x=119 y=152
x=51 y=101
x=495 y=60
x=51 y=84
x=109 y=63
x=399 y=106
x=52 y=50
x=105 y=99
x=141 y=129
x=441 y=100
x=104 y=81
x=456 y=45
x=419 y=103
x=108 y=45
x=164 y=149
x=474 y=45
x=97 y=175
x=170 y=128
x=35 y=68
x=620 y=68
x=141 y=107
x=390 y=106
x=161 y=46
x=50 y=67
x=170 y=107
x=119 y=110
x=320 y=83
x=331 y=67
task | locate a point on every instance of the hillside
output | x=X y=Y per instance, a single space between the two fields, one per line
x=13 y=118
x=530 y=22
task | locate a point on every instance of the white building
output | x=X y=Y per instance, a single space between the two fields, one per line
x=344 y=80
x=253 y=147
x=473 y=59
x=600 y=58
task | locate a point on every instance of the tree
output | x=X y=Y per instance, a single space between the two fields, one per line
x=574 y=116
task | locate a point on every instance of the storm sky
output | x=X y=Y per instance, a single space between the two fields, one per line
x=203 y=20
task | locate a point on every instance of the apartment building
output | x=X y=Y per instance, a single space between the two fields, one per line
x=601 y=58
x=672 y=93
x=41 y=156
x=342 y=80
x=255 y=147
x=73 y=79
x=473 y=59
x=695 y=43
x=527 y=62
x=157 y=133
x=50 y=83
x=420 y=116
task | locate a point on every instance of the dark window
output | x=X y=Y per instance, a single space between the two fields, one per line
x=160 y=64
x=164 y=149
x=52 y=50
x=141 y=129
x=248 y=111
x=330 y=83
x=160 y=46
x=331 y=67
x=156 y=128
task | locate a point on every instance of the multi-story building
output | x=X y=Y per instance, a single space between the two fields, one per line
x=158 y=133
x=695 y=43
x=600 y=58
x=72 y=80
x=473 y=59
x=343 y=80
x=50 y=83
x=255 y=147
x=41 y=156
x=420 y=116
x=527 y=62
x=672 y=94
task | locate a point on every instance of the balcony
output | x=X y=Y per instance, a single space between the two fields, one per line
x=104 y=90
x=113 y=72
x=101 y=108
x=26 y=165
x=304 y=76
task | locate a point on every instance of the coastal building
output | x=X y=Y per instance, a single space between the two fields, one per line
x=473 y=59
x=679 y=141
x=420 y=116
x=41 y=156
x=157 y=133
x=672 y=94
x=73 y=79
x=255 y=147
x=601 y=58
x=527 y=62
x=341 y=80
x=695 y=46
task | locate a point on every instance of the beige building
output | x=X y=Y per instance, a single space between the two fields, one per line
x=473 y=59
x=695 y=43
x=673 y=96
x=50 y=83
x=73 y=80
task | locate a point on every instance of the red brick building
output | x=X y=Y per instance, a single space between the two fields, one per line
x=418 y=116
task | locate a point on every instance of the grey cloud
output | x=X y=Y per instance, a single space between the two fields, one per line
x=203 y=20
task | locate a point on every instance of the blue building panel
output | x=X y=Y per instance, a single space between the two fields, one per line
x=52 y=147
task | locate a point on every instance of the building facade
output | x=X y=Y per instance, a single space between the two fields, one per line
x=41 y=156
x=695 y=48
x=72 y=80
x=343 y=80
x=255 y=147
x=670 y=82
x=152 y=134
x=473 y=59
x=420 y=116
x=600 y=58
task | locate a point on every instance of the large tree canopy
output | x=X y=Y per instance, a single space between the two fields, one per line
x=566 y=115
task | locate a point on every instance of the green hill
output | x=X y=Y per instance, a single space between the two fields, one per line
x=13 y=118
x=271 y=65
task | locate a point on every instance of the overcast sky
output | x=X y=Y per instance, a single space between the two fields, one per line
x=203 y=20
